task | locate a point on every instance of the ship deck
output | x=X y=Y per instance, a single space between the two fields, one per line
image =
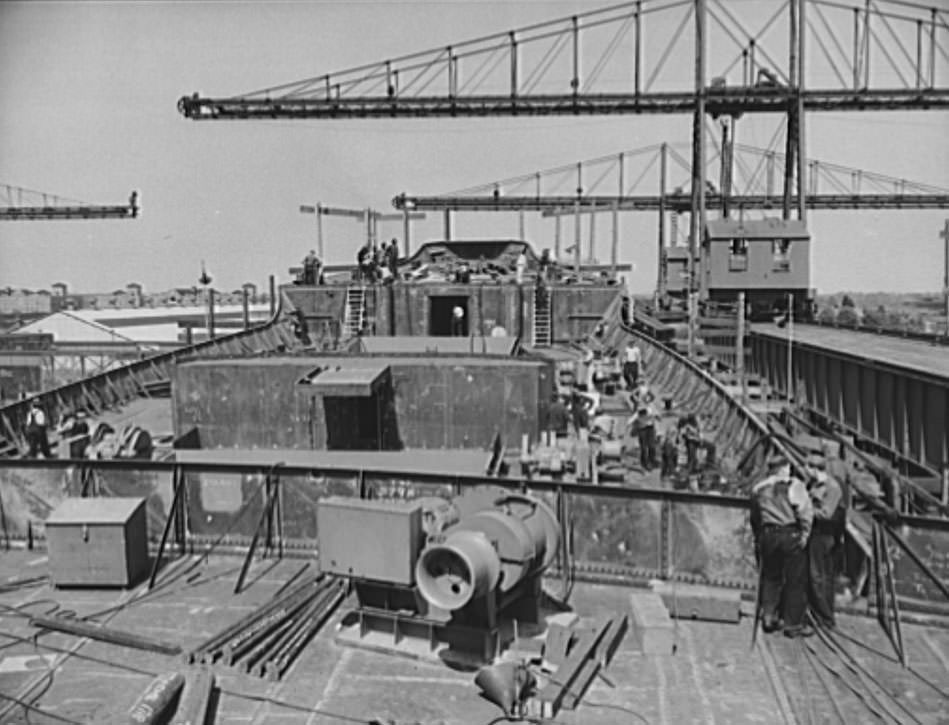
x=897 y=352
x=712 y=677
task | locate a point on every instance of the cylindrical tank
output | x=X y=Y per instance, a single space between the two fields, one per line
x=494 y=548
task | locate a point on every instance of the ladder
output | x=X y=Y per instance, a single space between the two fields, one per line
x=541 y=321
x=355 y=311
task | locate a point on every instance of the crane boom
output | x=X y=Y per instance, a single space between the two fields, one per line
x=71 y=211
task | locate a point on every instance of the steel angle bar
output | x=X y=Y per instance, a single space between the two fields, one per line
x=930 y=574
x=218 y=640
x=268 y=631
x=266 y=516
x=173 y=513
x=255 y=662
x=282 y=661
x=250 y=635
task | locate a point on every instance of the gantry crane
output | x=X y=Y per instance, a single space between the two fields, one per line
x=18 y=206
x=829 y=187
x=507 y=74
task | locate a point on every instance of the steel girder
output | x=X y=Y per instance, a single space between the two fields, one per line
x=673 y=202
x=718 y=102
x=903 y=411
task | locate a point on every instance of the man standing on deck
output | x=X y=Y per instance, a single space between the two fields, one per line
x=558 y=418
x=392 y=259
x=781 y=518
x=311 y=268
x=632 y=359
x=827 y=536
x=521 y=266
x=457 y=321
x=643 y=425
x=36 y=431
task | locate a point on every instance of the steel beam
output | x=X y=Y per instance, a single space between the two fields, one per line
x=565 y=205
x=718 y=102
x=15 y=213
x=900 y=410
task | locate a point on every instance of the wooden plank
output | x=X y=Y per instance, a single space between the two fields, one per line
x=696 y=601
x=105 y=634
x=552 y=695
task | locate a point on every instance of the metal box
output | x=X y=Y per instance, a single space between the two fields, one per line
x=97 y=542
x=378 y=540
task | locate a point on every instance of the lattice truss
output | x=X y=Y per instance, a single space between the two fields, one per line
x=872 y=54
x=17 y=203
x=659 y=176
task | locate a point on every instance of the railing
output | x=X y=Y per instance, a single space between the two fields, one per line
x=138 y=379
x=620 y=533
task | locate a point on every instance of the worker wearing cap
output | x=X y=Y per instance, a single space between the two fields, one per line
x=36 y=431
x=74 y=429
x=781 y=518
x=643 y=425
x=827 y=537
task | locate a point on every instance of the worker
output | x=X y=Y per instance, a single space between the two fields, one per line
x=311 y=268
x=74 y=430
x=580 y=414
x=521 y=266
x=827 y=537
x=364 y=263
x=781 y=519
x=544 y=264
x=135 y=442
x=632 y=360
x=36 y=431
x=692 y=436
x=643 y=426
x=392 y=259
x=457 y=321
x=641 y=395
x=558 y=418
x=670 y=451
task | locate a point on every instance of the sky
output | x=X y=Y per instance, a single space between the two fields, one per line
x=88 y=95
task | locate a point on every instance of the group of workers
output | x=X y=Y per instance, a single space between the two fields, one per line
x=80 y=440
x=659 y=437
x=378 y=264
x=568 y=414
x=798 y=528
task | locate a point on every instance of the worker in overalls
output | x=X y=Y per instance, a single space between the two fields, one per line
x=827 y=537
x=781 y=520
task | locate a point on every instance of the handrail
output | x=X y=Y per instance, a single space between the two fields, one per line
x=418 y=477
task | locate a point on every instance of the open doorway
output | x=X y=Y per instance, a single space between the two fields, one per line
x=362 y=423
x=352 y=423
x=441 y=317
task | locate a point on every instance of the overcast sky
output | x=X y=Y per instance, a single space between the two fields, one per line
x=88 y=95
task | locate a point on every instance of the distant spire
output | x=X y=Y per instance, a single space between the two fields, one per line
x=205 y=278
